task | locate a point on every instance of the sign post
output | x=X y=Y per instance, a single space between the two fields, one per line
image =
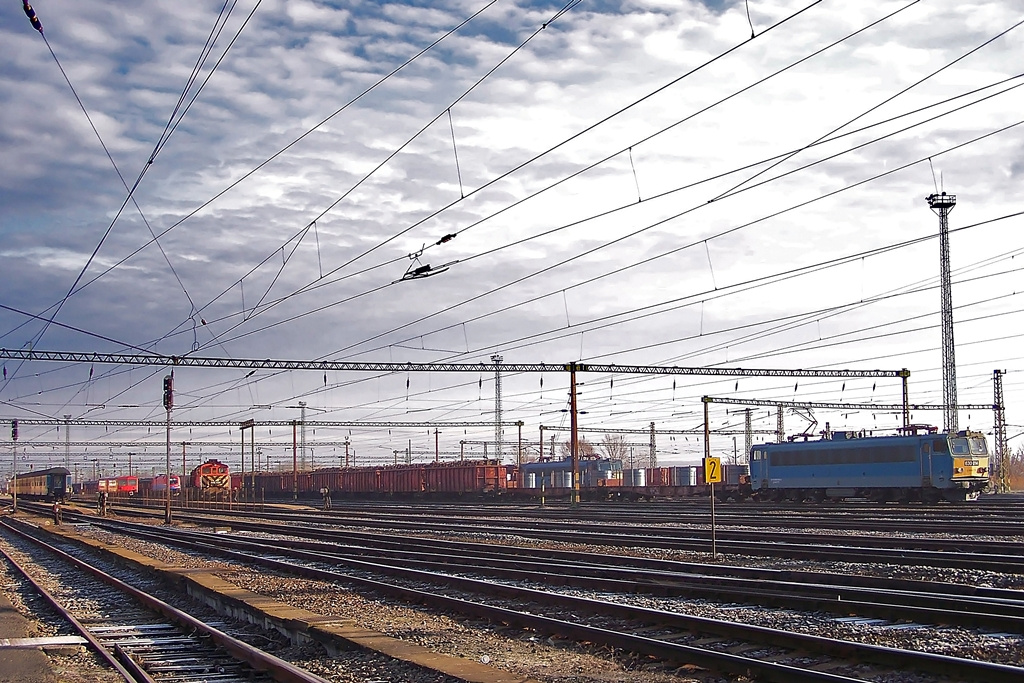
x=713 y=475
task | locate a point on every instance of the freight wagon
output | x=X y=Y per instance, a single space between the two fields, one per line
x=471 y=478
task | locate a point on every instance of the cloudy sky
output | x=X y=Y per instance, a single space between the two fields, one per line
x=634 y=182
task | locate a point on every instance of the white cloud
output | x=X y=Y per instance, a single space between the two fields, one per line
x=298 y=62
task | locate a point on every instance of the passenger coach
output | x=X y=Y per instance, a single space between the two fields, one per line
x=924 y=467
x=49 y=484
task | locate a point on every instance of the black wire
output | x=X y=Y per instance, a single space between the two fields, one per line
x=130 y=197
x=875 y=107
x=565 y=8
x=661 y=195
x=277 y=154
x=696 y=242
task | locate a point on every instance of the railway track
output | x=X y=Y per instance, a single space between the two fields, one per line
x=140 y=636
x=929 y=520
x=867 y=596
x=961 y=553
x=771 y=654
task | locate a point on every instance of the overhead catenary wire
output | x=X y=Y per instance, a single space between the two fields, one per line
x=131 y=190
x=352 y=101
x=875 y=107
x=467 y=345
x=564 y=9
x=688 y=245
x=250 y=316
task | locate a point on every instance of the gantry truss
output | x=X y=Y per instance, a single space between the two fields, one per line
x=258 y=423
x=903 y=408
x=349 y=366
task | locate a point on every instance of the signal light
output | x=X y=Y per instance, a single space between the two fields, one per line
x=168 y=392
x=14 y=430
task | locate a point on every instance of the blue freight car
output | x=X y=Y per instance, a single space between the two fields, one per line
x=49 y=484
x=916 y=467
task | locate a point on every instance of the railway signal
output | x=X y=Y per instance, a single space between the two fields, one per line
x=168 y=406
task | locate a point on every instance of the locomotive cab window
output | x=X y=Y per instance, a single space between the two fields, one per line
x=940 y=446
x=959 y=446
x=978 y=445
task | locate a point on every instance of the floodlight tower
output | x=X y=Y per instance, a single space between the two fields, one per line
x=942 y=203
x=497 y=405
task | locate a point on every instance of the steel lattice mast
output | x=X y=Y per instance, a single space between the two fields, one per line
x=942 y=204
x=1002 y=448
x=748 y=432
x=497 y=406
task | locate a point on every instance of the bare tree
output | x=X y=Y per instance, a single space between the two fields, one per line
x=614 y=446
x=1015 y=471
x=587 y=449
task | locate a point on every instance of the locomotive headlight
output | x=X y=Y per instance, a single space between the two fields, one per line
x=982 y=470
x=959 y=470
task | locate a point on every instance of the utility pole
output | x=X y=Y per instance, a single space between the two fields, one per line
x=67 y=443
x=437 y=448
x=519 y=449
x=748 y=433
x=654 y=450
x=295 y=463
x=14 y=476
x=574 y=445
x=168 y=406
x=1002 y=448
x=942 y=204
x=346 y=451
x=302 y=435
x=497 y=405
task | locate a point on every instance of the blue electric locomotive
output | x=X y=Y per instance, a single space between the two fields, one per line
x=918 y=467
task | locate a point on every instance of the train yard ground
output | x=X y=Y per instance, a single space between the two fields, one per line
x=599 y=592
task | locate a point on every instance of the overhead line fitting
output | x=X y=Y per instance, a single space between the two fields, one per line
x=31 y=14
x=418 y=271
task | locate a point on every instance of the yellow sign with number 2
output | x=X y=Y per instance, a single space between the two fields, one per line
x=713 y=470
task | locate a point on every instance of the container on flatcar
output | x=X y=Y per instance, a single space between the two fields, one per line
x=635 y=478
x=735 y=474
x=658 y=476
x=684 y=476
